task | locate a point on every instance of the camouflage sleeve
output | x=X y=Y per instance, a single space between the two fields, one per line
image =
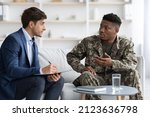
x=76 y=55
x=128 y=60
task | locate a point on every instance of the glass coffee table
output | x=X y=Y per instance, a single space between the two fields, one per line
x=124 y=91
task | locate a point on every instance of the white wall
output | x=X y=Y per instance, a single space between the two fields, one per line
x=138 y=25
x=136 y=30
x=147 y=37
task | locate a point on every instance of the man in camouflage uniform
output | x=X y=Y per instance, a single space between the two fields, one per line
x=105 y=54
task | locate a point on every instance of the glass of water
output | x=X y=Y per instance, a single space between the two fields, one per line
x=116 y=79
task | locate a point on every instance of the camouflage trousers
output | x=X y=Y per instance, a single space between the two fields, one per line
x=128 y=78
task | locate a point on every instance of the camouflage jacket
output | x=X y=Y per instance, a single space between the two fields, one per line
x=122 y=54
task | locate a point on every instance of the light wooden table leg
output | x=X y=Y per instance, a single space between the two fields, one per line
x=120 y=97
x=82 y=96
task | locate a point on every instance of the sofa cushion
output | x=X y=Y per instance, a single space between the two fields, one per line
x=58 y=58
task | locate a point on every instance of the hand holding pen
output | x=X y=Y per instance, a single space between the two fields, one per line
x=55 y=76
x=50 y=69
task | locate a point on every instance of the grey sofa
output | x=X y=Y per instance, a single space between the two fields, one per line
x=58 y=57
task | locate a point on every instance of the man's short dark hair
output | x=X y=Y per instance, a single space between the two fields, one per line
x=32 y=14
x=112 y=18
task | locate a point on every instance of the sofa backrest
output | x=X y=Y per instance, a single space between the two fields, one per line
x=58 y=58
x=141 y=69
x=140 y=66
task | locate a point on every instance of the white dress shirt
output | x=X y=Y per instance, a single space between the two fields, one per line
x=29 y=45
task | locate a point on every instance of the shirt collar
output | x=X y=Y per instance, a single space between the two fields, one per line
x=27 y=36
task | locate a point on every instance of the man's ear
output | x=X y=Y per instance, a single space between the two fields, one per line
x=117 y=29
x=31 y=24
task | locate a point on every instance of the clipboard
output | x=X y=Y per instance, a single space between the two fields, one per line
x=52 y=73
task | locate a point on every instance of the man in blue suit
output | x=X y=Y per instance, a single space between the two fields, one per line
x=19 y=63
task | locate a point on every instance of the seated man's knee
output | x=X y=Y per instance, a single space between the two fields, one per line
x=133 y=74
x=40 y=83
x=87 y=78
x=130 y=77
x=61 y=81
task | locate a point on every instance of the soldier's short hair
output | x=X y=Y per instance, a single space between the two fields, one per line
x=112 y=18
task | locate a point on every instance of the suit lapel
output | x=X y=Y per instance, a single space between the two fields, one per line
x=35 y=62
x=24 y=43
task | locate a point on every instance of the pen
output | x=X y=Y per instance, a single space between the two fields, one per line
x=49 y=62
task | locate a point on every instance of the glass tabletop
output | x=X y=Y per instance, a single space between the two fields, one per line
x=124 y=91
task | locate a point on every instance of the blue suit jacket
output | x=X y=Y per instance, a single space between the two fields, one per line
x=14 y=63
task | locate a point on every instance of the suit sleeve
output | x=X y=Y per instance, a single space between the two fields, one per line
x=10 y=51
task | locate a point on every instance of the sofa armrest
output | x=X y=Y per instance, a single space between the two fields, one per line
x=141 y=69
